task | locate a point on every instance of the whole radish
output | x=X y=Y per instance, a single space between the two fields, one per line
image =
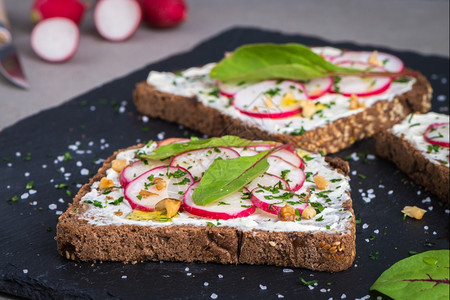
x=164 y=13
x=45 y=9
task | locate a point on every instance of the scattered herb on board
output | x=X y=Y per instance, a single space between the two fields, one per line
x=166 y=151
x=308 y=283
x=258 y=62
x=422 y=276
x=225 y=177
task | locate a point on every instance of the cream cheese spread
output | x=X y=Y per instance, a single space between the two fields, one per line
x=332 y=219
x=412 y=129
x=195 y=82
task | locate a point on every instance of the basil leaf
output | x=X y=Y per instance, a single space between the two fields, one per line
x=268 y=61
x=421 y=276
x=225 y=177
x=167 y=151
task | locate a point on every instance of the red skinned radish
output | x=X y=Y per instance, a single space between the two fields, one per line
x=135 y=169
x=317 y=87
x=163 y=13
x=293 y=175
x=230 y=207
x=389 y=62
x=437 y=134
x=117 y=20
x=270 y=99
x=268 y=180
x=157 y=184
x=55 y=39
x=70 y=9
x=361 y=86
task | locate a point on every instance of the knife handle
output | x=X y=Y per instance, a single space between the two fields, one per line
x=3 y=16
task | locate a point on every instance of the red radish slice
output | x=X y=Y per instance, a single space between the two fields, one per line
x=137 y=168
x=317 y=87
x=268 y=180
x=294 y=176
x=117 y=20
x=361 y=86
x=267 y=99
x=230 y=207
x=287 y=154
x=245 y=151
x=55 y=39
x=198 y=161
x=272 y=200
x=142 y=193
x=390 y=62
x=170 y=141
x=262 y=147
x=437 y=134
x=230 y=89
x=328 y=53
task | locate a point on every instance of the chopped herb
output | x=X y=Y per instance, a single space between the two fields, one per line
x=177 y=174
x=358 y=221
x=27 y=157
x=322 y=153
x=402 y=80
x=139 y=197
x=336 y=80
x=298 y=131
x=298 y=214
x=308 y=283
x=273 y=92
x=308 y=158
x=372 y=237
x=362 y=176
x=223 y=203
x=410 y=118
x=62 y=186
x=109 y=189
x=415 y=124
x=210 y=224
x=284 y=173
x=319 y=219
x=29 y=185
x=217 y=150
x=335 y=180
x=246 y=206
x=412 y=253
x=327 y=227
x=145 y=129
x=215 y=92
x=117 y=201
x=68 y=193
x=183 y=182
x=67 y=156
x=433 y=148
x=374 y=256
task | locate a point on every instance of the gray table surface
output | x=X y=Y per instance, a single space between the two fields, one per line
x=418 y=25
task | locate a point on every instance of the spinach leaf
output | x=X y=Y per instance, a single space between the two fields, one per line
x=167 y=151
x=268 y=61
x=225 y=177
x=421 y=276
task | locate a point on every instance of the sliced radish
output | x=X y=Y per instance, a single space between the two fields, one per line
x=293 y=175
x=390 y=62
x=270 y=99
x=317 y=87
x=230 y=89
x=55 y=39
x=137 y=168
x=437 y=134
x=328 y=53
x=287 y=154
x=361 y=86
x=232 y=206
x=170 y=141
x=198 y=161
x=271 y=200
x=117 y=20
x=245 y=151
x=268 y=180
x=143 y=192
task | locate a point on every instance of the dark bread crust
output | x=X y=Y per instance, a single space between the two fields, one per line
x=409 y=160
x=331 y=138
x=79 y=240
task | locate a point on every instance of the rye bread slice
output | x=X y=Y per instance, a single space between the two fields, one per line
x=77 y=239
x=329 y=138
x=434 y=177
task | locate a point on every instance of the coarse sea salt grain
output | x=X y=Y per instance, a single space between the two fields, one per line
x=354 y=172
x=144 y=119
x=124 y=276
x=9 y=165
x=18 y=154
x=447 y=211
x=376 y=231
x=61 y=200
x=323 y=290
x=24 y=196
x=263 y=287
x=186 y=269
x=27 y=174
x=161 y=135
x=367 y=240
x=52 y=206
x=430 y=208
x=220 y=276
x=25 y=271
x=365 y=226
x=58 y=212
x=79 y=163
x=205 y=283
x=280 y=296
x=84 y=171
x=441 y=98
x=425 y=227
x=288 y=270
x=44 y=166
x=121 y=109
x=390 y=192
x=343 y=296
x=434 y=232
x=214 y=296
x=188 y=274
x=426 y=200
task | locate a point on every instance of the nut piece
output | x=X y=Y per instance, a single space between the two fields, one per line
x=268 y=102
x=373 y=60
x=308 y=108
x=160 y=183
x=118 y=165
x=354 y=103
x=414 y=212
x=105 y=183
x=308 y=213
x=146 y=194
x=168 y=206
x=321 y=182
x=287 y=213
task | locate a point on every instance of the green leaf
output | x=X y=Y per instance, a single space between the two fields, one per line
x=422 y=276
x=268 y=61
x=225 y=177
x=167 y=151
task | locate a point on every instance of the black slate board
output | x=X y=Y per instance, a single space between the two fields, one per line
x=104 y=119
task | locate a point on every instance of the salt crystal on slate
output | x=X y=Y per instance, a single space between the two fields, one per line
x=24 y=196
x=25 y=271
x=220 y=276
x=214 y=296
x=52 y=206
x=205 y=283
x=263 y=287
x=84 y=171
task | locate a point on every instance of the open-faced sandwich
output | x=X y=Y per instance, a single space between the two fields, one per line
x=319 y=99
x=225 y=200
x=419 y=146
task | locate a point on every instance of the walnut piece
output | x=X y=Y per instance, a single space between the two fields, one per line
x=373 y=60
x=169 y=206
x=321 y=182
x=146 y=194
x=118 y=165
x=354 y=103
x=160 y=183
x=287 y=213
x=414 y=212
x=105 y=183
x=308 y=213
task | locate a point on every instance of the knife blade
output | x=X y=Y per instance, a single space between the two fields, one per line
x=10 y=66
